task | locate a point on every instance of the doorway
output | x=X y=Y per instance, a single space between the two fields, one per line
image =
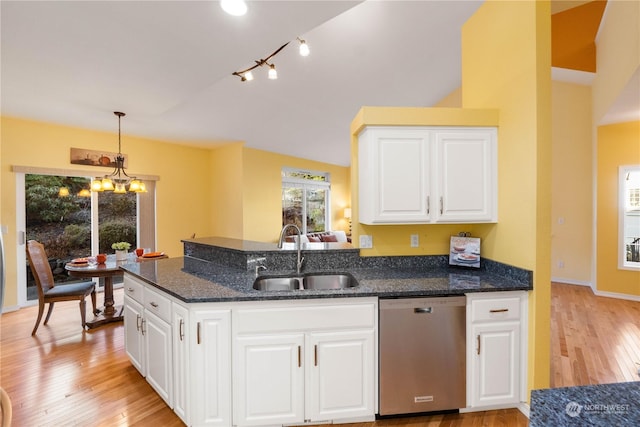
x=60 y=213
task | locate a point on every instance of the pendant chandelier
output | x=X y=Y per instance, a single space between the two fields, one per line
x=118 y=180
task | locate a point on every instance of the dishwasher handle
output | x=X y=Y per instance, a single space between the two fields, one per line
x=419 y=310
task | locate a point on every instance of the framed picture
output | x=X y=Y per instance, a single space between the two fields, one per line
x=81 y=156
x=465 y=251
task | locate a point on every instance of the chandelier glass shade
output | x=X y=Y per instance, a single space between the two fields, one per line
x=118 y=181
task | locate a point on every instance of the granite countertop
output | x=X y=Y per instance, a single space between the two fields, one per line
x=616 y=404
x=193 y=280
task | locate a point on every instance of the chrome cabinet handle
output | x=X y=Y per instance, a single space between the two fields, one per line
x=130 y=290
x=138 y=322
x=153 y=304
x=428 y=205
x=142 y=326
x=499 y=310
x=441 y=205
x=181 y=330
x=299 y=356
x=478 y=340
x=198 y=334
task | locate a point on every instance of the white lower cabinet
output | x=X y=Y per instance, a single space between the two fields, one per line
x=340 y=382
x=269 y=379
x=210 y=363
x=148 y=336
x=181 y=362
x=159 y=356
x=304 y=363
x=496 y=352
x=271 y=363
x=133 y=338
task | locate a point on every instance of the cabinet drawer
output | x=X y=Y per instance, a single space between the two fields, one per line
x=134 y=289
x=492 y=309
x=157 y=304
x=305 y=317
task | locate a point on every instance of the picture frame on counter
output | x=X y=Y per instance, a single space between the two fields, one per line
x=464 y=251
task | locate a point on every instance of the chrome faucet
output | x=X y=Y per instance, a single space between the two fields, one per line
x=298 y=243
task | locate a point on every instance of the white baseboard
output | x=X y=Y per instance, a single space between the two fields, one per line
x=524 y=408
x=571 y=281
x=596 y=291
x=10 y=308
x=617 y=295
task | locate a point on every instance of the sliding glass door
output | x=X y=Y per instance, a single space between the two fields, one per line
x=71 y=222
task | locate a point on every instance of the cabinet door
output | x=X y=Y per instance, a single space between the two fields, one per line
x=180 y=325
x=341 y=376
x=394 y=176
x=210 y=353
x=159 y=361
x=133 y=339
x=465 y=165
x=496 y=365
x=268 y=379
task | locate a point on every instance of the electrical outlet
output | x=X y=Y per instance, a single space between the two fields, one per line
x=560 y=264
x=366 y=241
x=415 y=240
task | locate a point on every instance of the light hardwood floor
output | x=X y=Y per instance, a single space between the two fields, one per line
x=67 y=377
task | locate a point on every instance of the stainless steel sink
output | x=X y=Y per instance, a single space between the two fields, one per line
x=310 y=281
x=276 y=283
x=329 y=281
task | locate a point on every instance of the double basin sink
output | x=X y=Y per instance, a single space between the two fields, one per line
x=307 y=281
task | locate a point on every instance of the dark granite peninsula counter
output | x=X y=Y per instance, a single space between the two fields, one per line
x=219 y=269
x=604 y=405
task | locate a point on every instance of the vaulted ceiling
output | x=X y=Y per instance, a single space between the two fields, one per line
x=169 y=64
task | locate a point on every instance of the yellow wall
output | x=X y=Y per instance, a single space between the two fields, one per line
x=509 y=68
x=572 y=191
x=229 y=191
x=262 y=195
x=618 y=145
x=226 y=191
x=180 y=212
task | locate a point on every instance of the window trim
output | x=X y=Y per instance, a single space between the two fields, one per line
x=308 y=184
x=623 y=171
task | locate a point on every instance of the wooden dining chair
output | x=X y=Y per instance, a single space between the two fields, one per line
x=49 y=292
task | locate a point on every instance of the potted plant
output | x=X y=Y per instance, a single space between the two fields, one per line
x=122 y=249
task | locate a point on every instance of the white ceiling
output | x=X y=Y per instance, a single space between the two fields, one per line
x=168 y=65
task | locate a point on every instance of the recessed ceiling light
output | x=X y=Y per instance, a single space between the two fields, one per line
x=234 y=7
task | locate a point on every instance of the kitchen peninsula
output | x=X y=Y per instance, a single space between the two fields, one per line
x=222 y=353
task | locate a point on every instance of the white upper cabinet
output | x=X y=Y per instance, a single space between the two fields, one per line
x=420 y=175
x=394 y=176
x=466 y=175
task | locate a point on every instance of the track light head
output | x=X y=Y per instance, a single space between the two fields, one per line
x=304 y=47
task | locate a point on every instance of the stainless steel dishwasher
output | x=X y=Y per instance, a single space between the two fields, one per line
x=422 y=355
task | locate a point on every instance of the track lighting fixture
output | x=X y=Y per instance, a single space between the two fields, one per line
x=246 y=75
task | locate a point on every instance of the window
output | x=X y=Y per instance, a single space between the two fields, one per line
x=305 y=200
x=629 y=223
x=72 y=223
